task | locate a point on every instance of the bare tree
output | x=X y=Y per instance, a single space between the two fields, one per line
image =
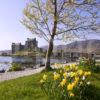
x=54 y=19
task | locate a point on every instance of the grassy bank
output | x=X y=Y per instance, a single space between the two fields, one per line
x=28 y=88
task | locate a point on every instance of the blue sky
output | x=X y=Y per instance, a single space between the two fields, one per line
x=11 y=30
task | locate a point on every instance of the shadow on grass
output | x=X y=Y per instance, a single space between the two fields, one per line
x=92 y=93
x=96 y=69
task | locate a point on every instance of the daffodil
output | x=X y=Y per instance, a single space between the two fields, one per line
x=83 y=78
x=89 y=73
x=44 y=77
x=66 y=68
x=80 y=72
x=81 y=83
x=71 y=94
x=72 y=66
x=41 y=81
x=86 y=73
x=70 y=87
x=88 y=83
x=77 y=79
x=55 y=65
x=56 y=76
x=61 y=71
x=63 y=82
x=72 y=74
x=65 y=75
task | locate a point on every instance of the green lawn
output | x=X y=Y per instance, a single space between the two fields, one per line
x=28 y=88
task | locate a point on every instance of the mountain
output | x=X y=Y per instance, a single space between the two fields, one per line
x=5 y=51
x=86 y=46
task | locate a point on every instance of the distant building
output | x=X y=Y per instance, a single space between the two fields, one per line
x=30 y=45
x=17 y=47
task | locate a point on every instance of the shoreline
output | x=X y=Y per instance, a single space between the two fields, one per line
x=16 y=74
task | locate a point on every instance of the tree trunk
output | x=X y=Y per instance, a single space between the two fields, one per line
x=50 y=48
x=48 y=55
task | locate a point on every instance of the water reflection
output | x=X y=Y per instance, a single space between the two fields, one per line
x=6 y=62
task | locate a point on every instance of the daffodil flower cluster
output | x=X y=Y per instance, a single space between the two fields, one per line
x=66 y=82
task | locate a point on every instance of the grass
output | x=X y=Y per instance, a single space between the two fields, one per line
x=28 y=88
x=25 y=88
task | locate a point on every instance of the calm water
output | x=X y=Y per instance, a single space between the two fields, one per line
x=5 y=62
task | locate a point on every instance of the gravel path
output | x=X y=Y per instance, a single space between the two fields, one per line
x=17 y=74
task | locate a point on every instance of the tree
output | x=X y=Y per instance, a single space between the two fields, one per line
x=57 y=19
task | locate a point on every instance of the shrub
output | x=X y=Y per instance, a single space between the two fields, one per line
x=15 y=67
x=88 y=63
x=67 y=83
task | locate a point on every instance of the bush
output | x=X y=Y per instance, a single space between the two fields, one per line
x=15 y=67
x=67 y=83
x=88 y=63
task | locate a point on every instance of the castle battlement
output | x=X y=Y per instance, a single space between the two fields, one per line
x=30 y=45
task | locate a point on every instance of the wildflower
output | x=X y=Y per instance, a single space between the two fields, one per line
x=41 y=81
x=76 y=67
x=83 y=78
x=65 y=75
x=70 y=87
x=72 y=74
x=80 y=72
x=81 y=83
x=86 y=73
x=68 y=74
x=72 y=66
x=89 y=73
x=88 y=83
x=44 y=77
x=56 y=76
x=77 y=79
x=61 y=71
x=66 y=67
x=71 y=94
x=63 y=82
x=74 y=83
x=55 y=65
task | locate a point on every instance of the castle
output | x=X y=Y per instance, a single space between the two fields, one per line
x=30 y=45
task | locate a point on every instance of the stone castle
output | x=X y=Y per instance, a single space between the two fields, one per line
x=30 y=45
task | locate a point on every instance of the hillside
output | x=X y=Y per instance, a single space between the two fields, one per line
x=87 y=46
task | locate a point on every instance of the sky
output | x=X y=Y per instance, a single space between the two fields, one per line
x=11 y=30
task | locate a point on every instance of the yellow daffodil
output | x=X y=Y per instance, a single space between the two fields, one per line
x=76 y=79
x=61 y=71
x=44 y=77
x=65 y=75
x=81 y=83
x=71 y=94
x=72 y=74
x=76 y=68
x=41 y=81
x=70 y=87
x=85 y=74
x=73 y=66
x=55 y=65
x=80 y=72
x=89 y=73
x=63 y=82
x=66 y=68
x=56 y=76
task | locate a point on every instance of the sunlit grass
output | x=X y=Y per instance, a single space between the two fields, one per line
x=28 y=88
